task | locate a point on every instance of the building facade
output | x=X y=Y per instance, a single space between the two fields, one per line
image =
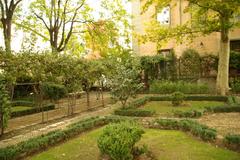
x=174 y=15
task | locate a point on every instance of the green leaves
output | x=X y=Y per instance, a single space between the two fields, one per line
x=5 y=105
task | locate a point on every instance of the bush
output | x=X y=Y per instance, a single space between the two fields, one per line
x=138 y=103
x=207 y=98
x=134 y=112
x=22 y=103
x=234 y=60
x=199 y=130
x=177 y=98
x=233 y=140
x=224 y=109
x=54 y=91
x=32 y=111
x=235 y=86
x=167 y=87
x=188 y=114
x=118 y=140
x=190 y=63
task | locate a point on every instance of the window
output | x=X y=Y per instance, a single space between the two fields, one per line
x=164 y=52
x=235 y=45
x=163 y=16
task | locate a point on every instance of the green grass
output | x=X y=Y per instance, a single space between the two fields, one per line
x=166 y=145
x=20 y=108
x=172 y=145
x=166 y=107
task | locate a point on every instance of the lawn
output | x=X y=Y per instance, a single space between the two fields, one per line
x=165 y=145
x=20 y=108
x=166 y=107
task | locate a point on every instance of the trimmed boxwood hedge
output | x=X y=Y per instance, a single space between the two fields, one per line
x=33 y=145
x=195 y=128
x=134 y=112
x=22 y=103
x=232 y=141
x=131 y=109
x=32 y=111
x=224 y=109
x=188 y=114
x=39 y=143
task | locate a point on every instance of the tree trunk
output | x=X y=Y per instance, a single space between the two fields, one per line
x=7 y=27
x=222 y=85
x=1 y=122
x=88 y=99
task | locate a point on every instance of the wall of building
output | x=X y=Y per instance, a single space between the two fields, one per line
x=209 y=44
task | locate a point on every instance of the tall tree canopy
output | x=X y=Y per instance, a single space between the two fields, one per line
x=7 y=11
x=60 y=19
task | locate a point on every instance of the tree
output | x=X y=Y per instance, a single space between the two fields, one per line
x=5 y=106
x=125 y=78
x=59 y=18
x=8 y=8
x=208 y=16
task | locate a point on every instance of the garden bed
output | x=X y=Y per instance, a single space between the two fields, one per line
x=163 y=144
x=167 y=109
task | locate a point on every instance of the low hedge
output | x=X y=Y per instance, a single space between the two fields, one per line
x=32 y=111
x=188 y=114
x=23 y=103
x=233 y=141
x=39 y=143
x=134 y=112
x=167 y=87
x=138 y=102
x=224 y=109
x=199 y=130
x=192 y=98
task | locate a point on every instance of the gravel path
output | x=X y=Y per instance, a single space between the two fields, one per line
x=55 y=126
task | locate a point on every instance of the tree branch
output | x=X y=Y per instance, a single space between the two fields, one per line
x=39 y=17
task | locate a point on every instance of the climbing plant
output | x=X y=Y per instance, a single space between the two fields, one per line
x=5 y=106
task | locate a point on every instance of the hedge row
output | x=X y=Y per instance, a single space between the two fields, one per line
x=192 y=98
x=224 y=109
x=233 y=141
x=23 y=103
x=166 y=87
x=42 y=142
x=199 y=130
x=188 y=114
x=134 y=112
x=39 y=143
x=131 y=109
x=32 y=111
x=138 y=102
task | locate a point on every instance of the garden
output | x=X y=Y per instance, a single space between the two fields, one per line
x=86 y=94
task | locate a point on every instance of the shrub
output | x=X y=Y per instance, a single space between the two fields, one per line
x=233 y=140
x=32 y=111
x=134 y=112
x=167 y=87
x=199 y=130
x=190 y=63
x=235 y=85
x=22 y=103
x=188 y=114
x=118 y=140
x=53 y=91
x=138 y=103
x=223 y=109
x=177 y=98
